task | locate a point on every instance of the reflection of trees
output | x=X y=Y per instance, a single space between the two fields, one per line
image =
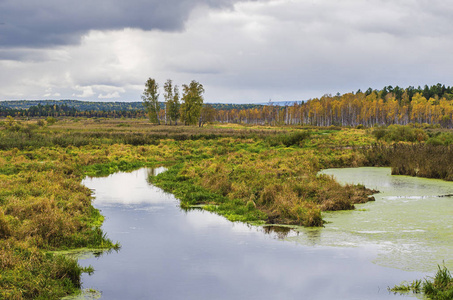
x=152 y=172
x=280 y=231
x=155 y=171
x=312 y=235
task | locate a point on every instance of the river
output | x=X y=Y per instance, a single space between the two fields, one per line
x=168 y=253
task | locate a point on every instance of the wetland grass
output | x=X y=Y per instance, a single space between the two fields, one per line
x=439 y=287
x=414 y=159
x=251 y=180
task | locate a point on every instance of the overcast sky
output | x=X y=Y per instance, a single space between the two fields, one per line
x=241 y=51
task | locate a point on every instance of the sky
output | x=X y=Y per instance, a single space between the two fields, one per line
x=241 y=51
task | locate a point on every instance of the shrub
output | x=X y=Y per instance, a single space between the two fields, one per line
x=291 y=139
x=51 y=120
x=400 y=133
x=444 y=138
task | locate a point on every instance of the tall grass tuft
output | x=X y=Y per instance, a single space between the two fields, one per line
x=438 y=288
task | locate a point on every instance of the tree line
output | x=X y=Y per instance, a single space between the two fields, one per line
x=64 y=110
x=19 y=105
x=77 y=104
x=39 y=111
x=390 y=105
x=432 y=105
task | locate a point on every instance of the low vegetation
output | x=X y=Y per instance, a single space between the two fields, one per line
x=239 y=178
x=400 y=133
x=413 y=151
x=440 y=287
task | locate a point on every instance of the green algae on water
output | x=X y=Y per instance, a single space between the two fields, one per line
x=410 y=223
x=85 y=294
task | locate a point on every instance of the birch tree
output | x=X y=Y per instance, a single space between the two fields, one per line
x=150 y=99
x=192 y=102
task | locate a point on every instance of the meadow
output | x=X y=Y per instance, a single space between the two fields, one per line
x=256 y=174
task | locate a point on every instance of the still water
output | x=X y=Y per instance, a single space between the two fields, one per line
x=168 y=253
x=411 y=221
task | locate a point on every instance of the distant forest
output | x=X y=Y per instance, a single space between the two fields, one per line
x=77 y=108
x=431 y=105
x=390 y=105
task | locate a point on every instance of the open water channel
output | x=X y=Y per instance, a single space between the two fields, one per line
x=168 y=253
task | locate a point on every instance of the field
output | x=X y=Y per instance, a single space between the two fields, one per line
x=256 y=174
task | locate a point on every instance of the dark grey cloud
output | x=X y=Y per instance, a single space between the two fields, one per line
x=43 y=23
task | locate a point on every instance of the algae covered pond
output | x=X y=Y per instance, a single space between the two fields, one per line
x=168 y=253
x=411 y=221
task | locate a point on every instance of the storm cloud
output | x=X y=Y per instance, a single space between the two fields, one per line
x=55 y=22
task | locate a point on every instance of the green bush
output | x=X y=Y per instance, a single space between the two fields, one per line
x=51 y=120
x=400 y=133
x=291 y=139
x=444 y=138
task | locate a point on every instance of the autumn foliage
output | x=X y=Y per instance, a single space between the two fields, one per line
x=352 y=109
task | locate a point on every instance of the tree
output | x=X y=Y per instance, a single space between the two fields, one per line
x=208 y=113
x=192 y=102
x=150 y=99
x=10 y=121
x=168 y=96
x=171 y=101
x=51 y=120
x=175 y=106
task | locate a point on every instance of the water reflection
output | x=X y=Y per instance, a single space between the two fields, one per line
x=282 y=232
x=153 y=172
x=279 y=232
x=125 y=188
x=167 y=254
